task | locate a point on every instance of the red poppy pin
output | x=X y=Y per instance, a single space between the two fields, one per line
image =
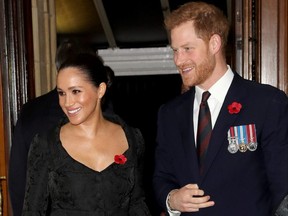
x=120 y=159
x=234 y=108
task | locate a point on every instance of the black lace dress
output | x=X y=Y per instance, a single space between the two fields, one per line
x=58 y=185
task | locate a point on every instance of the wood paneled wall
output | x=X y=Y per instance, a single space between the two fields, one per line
x=273 y=43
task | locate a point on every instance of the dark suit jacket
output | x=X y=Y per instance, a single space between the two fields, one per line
x=249 y=183
x=36 y=116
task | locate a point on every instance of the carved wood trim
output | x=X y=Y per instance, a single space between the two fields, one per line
x=283 y=45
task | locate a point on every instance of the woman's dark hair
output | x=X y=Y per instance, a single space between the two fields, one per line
x=91 y=65
x=110 y=75
x=69 y=48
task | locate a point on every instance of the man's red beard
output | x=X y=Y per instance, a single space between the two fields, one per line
x=201 y=72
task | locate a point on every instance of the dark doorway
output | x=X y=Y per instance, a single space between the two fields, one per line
x=137 y=100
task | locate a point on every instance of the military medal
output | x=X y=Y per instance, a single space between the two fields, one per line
x=252 y=146
x=252 y=137
x=242 y=147
x=242 y=138
x=241 y=130
x=233 y=146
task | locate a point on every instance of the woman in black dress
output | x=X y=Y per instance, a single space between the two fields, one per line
x=92 y=163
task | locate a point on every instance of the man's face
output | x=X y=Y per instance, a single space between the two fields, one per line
x=192 y=56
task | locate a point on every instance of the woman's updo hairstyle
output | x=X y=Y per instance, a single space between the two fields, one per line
x=91 y=65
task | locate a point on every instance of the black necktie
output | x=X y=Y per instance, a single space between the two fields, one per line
x=204 y=128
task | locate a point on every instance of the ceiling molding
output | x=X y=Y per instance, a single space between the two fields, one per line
x=139 y=61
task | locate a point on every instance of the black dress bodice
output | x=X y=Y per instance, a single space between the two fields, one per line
x=59 y=185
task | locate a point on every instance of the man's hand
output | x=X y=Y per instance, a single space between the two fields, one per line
x=189 y=199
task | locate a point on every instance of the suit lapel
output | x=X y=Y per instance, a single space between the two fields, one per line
x=184 y=115
x=224 y=121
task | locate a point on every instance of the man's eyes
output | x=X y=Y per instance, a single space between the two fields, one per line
x=186 y=49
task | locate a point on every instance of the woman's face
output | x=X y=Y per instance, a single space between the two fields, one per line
x=78 y=97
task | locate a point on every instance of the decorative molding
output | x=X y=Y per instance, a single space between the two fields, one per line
x=139 y=61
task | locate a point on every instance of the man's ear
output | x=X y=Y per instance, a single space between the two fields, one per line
x=215 y=43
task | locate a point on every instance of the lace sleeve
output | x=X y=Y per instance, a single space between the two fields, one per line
x=138 y=206
x=140 y=144
x=36 y=192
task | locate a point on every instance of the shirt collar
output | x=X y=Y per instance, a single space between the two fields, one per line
x=219 y=89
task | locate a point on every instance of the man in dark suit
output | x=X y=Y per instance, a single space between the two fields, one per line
x=241 y=167
x=36 y=116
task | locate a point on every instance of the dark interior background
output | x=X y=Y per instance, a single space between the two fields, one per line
x=137 y=99
x=133 y=24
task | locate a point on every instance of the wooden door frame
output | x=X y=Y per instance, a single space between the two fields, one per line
x=264 y=42
x=5 y=120
x=16 y=77
x=4 y=153
x=273 y=43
